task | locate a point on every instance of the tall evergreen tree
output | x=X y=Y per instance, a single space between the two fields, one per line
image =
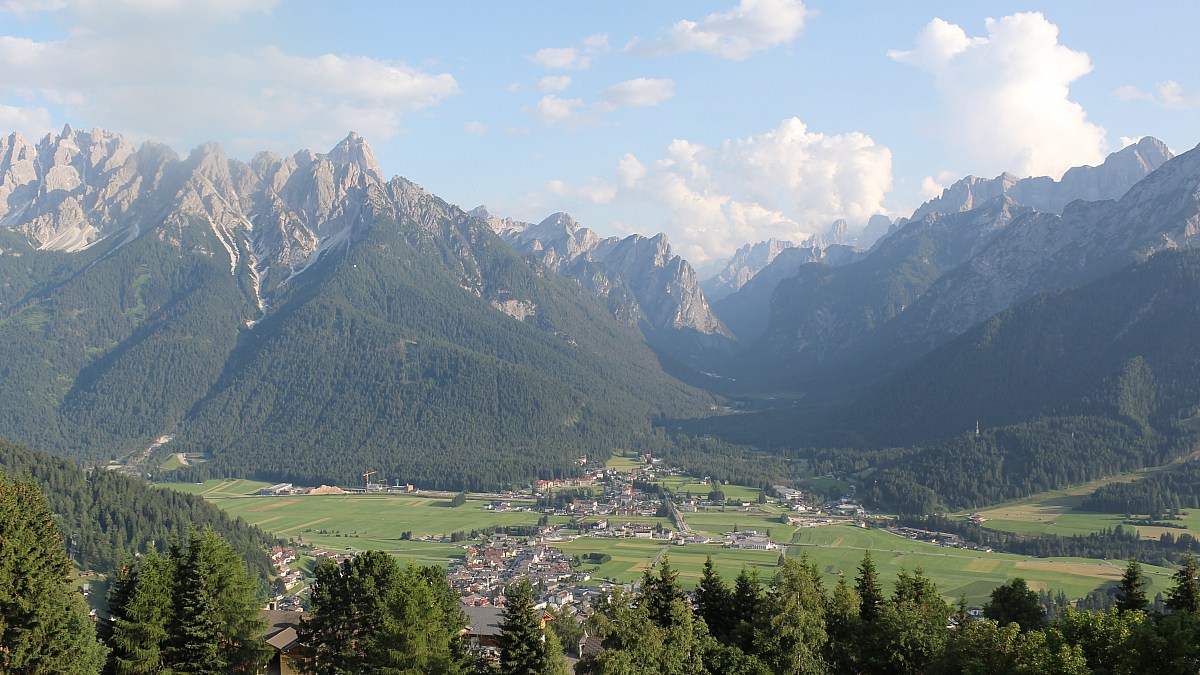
x=714 y=601
x=141 y=624
x=420 y=628
x=661 y=592
x=348 y=607
x=1184 y=596
x=1131 y=596
x=870 y=593
x=522 y=641
x=1014 y=602
x=44 y=626
x=793 y=636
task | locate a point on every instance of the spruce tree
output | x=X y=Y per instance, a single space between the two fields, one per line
x=349 y=605
x=141 y=624
x=421 y=626
x=870 y=593
x=522 y=650
x=714 y=601
x=1131 y=596
x=44 y=624
x=1185 y=595
x=660 y=592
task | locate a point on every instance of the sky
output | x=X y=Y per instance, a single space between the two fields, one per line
x=717 y=122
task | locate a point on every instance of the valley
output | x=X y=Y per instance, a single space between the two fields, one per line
x=345 y=524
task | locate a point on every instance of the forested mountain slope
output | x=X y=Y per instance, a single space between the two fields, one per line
x=297 y=318
x=105 y=515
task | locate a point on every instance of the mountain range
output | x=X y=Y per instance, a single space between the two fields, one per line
x=302 y=318
x=296 y=317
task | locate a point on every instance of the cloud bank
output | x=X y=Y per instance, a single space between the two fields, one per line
x=788 y=182
x=752 y=26
x=101 y=71
x=1006 y=95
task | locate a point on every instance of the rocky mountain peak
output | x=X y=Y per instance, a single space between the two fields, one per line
x=1120 y=171
x=745 y=263
x=353 y=150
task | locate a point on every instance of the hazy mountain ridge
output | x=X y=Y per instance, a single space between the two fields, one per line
x=644 y=283
x=914 y=288
x=1110 y=180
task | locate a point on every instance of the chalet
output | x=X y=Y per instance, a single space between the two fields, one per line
x=482 y=634
x=287 y=653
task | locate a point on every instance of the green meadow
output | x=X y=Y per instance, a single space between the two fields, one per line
x=359 y=522
x=1057 y=512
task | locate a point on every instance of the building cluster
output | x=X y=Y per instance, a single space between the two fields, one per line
x=489 y=566
x=947 y=539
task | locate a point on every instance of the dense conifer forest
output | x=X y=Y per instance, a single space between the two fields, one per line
x=105 y=516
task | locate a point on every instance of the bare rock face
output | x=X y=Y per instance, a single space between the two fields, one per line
x=745 y=263
x=1119 y=172
x=645 y=283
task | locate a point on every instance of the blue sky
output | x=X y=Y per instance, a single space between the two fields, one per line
x=719 y=123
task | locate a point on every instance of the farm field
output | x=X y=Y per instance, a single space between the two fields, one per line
x=1057 y=512
x=359 y=522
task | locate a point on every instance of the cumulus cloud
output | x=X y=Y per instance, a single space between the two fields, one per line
x=572 y=58
x=1006 y=95
x=640 y=92
x=752 y=26
x=556 y=111
x=1169 y=94
x=932 y=186
x=595 y=191
x=552 y=83
x=788 y=183
x=248 y=96
x=475 y=128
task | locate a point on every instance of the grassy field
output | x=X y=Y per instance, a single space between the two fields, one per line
x=1058 y=512
x=360 y=522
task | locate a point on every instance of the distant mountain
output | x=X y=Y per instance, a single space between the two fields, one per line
x=937 y=275
x=642 y=281
x=747 y=311
x=748 y=261
x=1110 y=180
x=822 y=316
x=295 y=318
x=1069 y=386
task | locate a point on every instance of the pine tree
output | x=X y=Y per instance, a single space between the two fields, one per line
x=714 y=601
x=660 y=592
x=1185 y=595
x=1131 y=596
x=1014 y=602
x=348 y=608
x=421 y=625
x=522 y=650
x=141 y=625
x=44 y=626
x=870 y=593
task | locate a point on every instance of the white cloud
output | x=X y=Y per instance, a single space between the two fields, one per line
x=640 y=92
x=25 y=8
x=556 y=111
x=932 y=186
x=786 y=183
x=475 y=128
x=31 y=123
x=572 y=58
x=752 y=26
x=596 y=191
x=190 y=91
x=1170 y=95
x=552 y=83
x=1006 y=95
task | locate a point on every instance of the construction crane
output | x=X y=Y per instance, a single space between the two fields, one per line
x=367 y=477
